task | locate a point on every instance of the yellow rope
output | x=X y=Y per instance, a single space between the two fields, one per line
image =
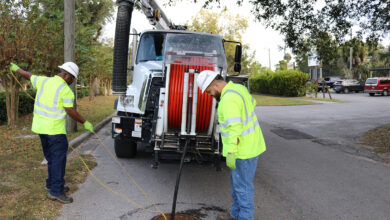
x=110 y=189
x=120 y=165
x=128 y=174
x=21 y=86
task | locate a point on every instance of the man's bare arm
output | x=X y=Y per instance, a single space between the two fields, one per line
x=75 y=115
x=24 y=74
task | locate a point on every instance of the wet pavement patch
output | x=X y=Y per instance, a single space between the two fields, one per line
x=198 y=211
x=196 y=214
x=291 y=134
x=177 y=217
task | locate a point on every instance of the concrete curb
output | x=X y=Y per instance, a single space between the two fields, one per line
x=80 y=139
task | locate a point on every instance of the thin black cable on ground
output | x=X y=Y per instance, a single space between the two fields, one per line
x=178 y=181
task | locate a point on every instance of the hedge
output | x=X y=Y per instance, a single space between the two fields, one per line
x=26 y=104
x=282 y=82
x=82 y=91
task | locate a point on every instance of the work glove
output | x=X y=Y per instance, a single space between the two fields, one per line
x=14 y=67
x=88 y=126
x=231 y=161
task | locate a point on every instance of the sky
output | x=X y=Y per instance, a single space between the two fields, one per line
x=258 y=38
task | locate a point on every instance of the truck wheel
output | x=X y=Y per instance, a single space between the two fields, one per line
x=124 y=148
x=346 y=90
x=372 y=94
x=385 y=92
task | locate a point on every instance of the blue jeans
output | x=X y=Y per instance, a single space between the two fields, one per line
x=242 y=189
x=55 y=148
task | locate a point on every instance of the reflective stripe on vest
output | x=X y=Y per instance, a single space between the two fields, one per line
x=35 y=82
x=67 y=100
x=49 y=115
x=239 y=119
x=53 y=108
x=246 y=132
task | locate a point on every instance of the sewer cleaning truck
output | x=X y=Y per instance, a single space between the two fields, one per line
x=160 y=106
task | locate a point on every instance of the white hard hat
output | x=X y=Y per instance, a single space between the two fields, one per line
x=71 y=68
x=205 y=78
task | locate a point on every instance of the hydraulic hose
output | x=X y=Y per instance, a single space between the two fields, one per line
x=176 y=98
x=178 y=181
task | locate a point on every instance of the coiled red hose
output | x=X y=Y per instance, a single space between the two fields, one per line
x=175 y=102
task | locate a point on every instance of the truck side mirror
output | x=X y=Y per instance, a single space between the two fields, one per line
x=237 y=57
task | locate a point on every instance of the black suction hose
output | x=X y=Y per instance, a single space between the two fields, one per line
x=178 y=181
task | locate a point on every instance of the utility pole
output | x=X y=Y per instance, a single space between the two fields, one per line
x=350 y=58
x=350 y=61
x=69 y=54
x=269 y=58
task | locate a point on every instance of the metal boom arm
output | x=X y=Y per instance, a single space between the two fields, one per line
x=154 y=14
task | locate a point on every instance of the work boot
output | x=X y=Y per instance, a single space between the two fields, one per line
x=225 y=217
x=61 y=198
x=66 y=188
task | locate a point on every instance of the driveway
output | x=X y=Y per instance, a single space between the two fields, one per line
x=312 y=169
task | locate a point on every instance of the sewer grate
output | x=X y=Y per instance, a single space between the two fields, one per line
x=177 y=217
x=291 y=134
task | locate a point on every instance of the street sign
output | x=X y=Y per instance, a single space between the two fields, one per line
x=313 y=61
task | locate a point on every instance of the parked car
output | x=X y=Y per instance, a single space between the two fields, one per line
x=377 y=85
x=331 y=80
x=348 y=85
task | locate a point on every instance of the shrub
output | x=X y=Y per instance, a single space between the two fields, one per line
x=281 y=82
x=82 y=91
x=26 y=104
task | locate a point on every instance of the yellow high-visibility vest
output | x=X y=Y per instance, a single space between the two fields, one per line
x=53 y=94
x=237 y=120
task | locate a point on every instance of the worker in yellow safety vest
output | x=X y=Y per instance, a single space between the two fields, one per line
x=242 y=139
x=54 y=99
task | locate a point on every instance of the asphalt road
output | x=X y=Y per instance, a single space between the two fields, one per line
x=312 y=169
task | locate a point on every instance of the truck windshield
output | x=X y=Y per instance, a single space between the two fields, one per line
x=151 y=47
x=195 y=49
x=371 y=81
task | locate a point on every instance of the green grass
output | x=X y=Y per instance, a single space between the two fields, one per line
x=266 y=100
x=22 y=177
x=378 y=139
x=94 y=111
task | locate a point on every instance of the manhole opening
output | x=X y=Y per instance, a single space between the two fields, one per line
x=177 y=217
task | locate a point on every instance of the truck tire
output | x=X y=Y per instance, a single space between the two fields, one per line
x=385 y=92
x=124 y=148
x=121 y=45
x=346 y=90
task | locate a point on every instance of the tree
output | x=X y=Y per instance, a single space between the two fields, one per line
x=229 y=27
x=302 y=62
x=282 y=65
x=256 y=68
x=29 y=39
x=298 y=20
x=31 y=35
x=287 y=57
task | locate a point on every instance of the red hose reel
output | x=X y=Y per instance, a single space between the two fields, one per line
x=175 y=99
